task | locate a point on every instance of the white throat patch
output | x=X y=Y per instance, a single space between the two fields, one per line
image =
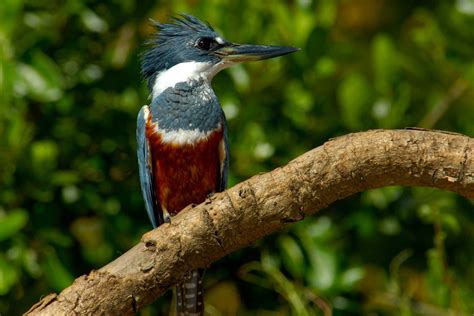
x=185 y=72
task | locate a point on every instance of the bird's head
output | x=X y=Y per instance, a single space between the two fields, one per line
x=190 y=49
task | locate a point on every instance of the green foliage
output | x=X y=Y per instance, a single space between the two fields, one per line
x=69 y=195
x=12 y=222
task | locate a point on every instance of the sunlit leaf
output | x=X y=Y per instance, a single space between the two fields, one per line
x=93 y=22
x=389 y=226
x=41 y=79
x=323 y=269
x=350 y=277
x=12 y=222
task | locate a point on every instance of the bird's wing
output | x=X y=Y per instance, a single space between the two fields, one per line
x=146 y=171
x=223 y=157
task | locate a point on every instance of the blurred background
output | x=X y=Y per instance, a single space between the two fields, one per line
x=69 y=193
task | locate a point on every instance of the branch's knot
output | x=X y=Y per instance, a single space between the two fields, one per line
x=150 y=244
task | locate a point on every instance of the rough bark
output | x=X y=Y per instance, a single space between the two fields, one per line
x=265 y=204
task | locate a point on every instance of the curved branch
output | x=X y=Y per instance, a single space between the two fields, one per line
x=265 y=204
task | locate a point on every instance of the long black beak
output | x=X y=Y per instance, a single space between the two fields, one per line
x=240 y=53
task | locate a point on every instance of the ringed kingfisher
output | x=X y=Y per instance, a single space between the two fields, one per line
x=183 y=153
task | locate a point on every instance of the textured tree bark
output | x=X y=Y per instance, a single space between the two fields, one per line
x=265 y=204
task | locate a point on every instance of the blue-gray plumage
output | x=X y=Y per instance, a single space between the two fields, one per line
x=183 y=152
x=146 y=174
x=172 y=111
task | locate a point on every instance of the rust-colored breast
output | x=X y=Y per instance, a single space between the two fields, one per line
x=184 y=174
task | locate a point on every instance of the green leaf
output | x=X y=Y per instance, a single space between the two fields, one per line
x=65 y=177
x=9 y=12
x=44 y=155
x=56 y=273
x=41 y=79
x=8 y=276
x=451 y=222
x=270 y=262
x=12 y=222
x=323 y=269
x=389 y=226
x=385 y=62
x=381 y=198
x=350 y=277
x=292 y=255
x=469 y=73
x=355 y=96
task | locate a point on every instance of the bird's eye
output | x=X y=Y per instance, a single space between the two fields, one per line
x=205 y=43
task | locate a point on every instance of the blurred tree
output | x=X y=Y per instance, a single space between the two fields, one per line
x=69 y=193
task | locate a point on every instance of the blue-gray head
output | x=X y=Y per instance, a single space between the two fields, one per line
x=189 y=49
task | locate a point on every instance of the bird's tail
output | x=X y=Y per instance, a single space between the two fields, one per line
x=189 y=295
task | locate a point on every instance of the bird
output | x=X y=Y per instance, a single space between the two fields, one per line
x=183 y=150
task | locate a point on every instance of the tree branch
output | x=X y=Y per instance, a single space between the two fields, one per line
x=265 y=204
